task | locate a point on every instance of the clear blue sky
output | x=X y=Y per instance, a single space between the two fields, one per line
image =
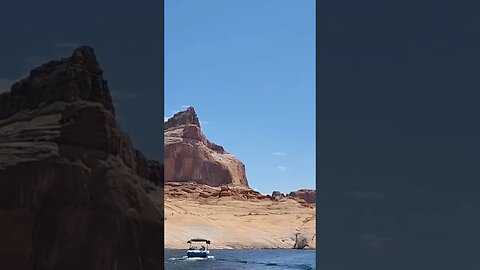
x=248 y=68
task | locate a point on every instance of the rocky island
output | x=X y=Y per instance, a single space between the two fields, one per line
x=207 y=195
x=74 y=192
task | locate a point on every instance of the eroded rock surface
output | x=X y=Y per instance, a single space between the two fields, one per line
x=235 y=217
x=190 y=156
x=300 y=241
x=309 y=195
x=74 y=192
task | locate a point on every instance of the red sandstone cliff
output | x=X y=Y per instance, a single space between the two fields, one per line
x=189 y=156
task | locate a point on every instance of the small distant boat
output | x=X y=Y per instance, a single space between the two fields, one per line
x=200 y=251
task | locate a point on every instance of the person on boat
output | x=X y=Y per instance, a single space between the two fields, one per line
x=203 y=248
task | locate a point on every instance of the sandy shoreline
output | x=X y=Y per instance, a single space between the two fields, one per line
x=234 y=222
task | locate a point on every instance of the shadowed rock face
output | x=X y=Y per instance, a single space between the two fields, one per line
x=74 y=193
x=76 y=78
x=189 y=156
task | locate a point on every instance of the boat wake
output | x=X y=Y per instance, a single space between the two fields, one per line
x=185 y=258
x=284 y=266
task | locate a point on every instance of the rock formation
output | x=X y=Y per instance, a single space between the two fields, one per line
x=309 y=195
x=189 y=156
x=300 y=241
x=74 y=193
x=195 y=190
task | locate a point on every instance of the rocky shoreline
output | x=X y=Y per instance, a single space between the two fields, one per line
x=235 y=217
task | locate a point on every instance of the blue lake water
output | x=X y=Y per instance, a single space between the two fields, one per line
x=243 y=259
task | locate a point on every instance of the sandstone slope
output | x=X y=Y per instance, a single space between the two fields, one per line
x=189 y=156
x=74 y=193
x=235 y=217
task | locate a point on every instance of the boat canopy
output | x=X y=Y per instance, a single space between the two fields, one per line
x=198 y=240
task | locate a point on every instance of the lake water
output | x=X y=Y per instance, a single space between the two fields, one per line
x=243 y=259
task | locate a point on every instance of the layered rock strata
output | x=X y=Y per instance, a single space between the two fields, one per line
x=190 y=156
x=309 y=195
x=74 y=192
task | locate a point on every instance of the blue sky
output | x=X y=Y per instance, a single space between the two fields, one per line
x=248 y=68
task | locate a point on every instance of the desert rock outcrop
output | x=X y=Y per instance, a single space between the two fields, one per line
x=190 y=156
x=300 y=241
x=309 y=195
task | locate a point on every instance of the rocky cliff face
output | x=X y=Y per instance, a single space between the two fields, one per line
x=189 y=156
x=74 y=193
x=309 y=195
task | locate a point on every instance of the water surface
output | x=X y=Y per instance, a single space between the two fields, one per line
x=243 y=259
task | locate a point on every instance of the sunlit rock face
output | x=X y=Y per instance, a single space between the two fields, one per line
x=189 y=156
x=309 y=195
x=74 y=192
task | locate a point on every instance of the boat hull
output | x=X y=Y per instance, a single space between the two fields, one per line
x=197 y=254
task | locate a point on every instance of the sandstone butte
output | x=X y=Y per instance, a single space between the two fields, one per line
x=207 y=195
x=74 y=192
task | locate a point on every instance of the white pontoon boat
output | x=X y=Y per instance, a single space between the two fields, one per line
x=200 y=251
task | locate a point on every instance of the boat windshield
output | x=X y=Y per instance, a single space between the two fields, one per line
x=203 y=246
